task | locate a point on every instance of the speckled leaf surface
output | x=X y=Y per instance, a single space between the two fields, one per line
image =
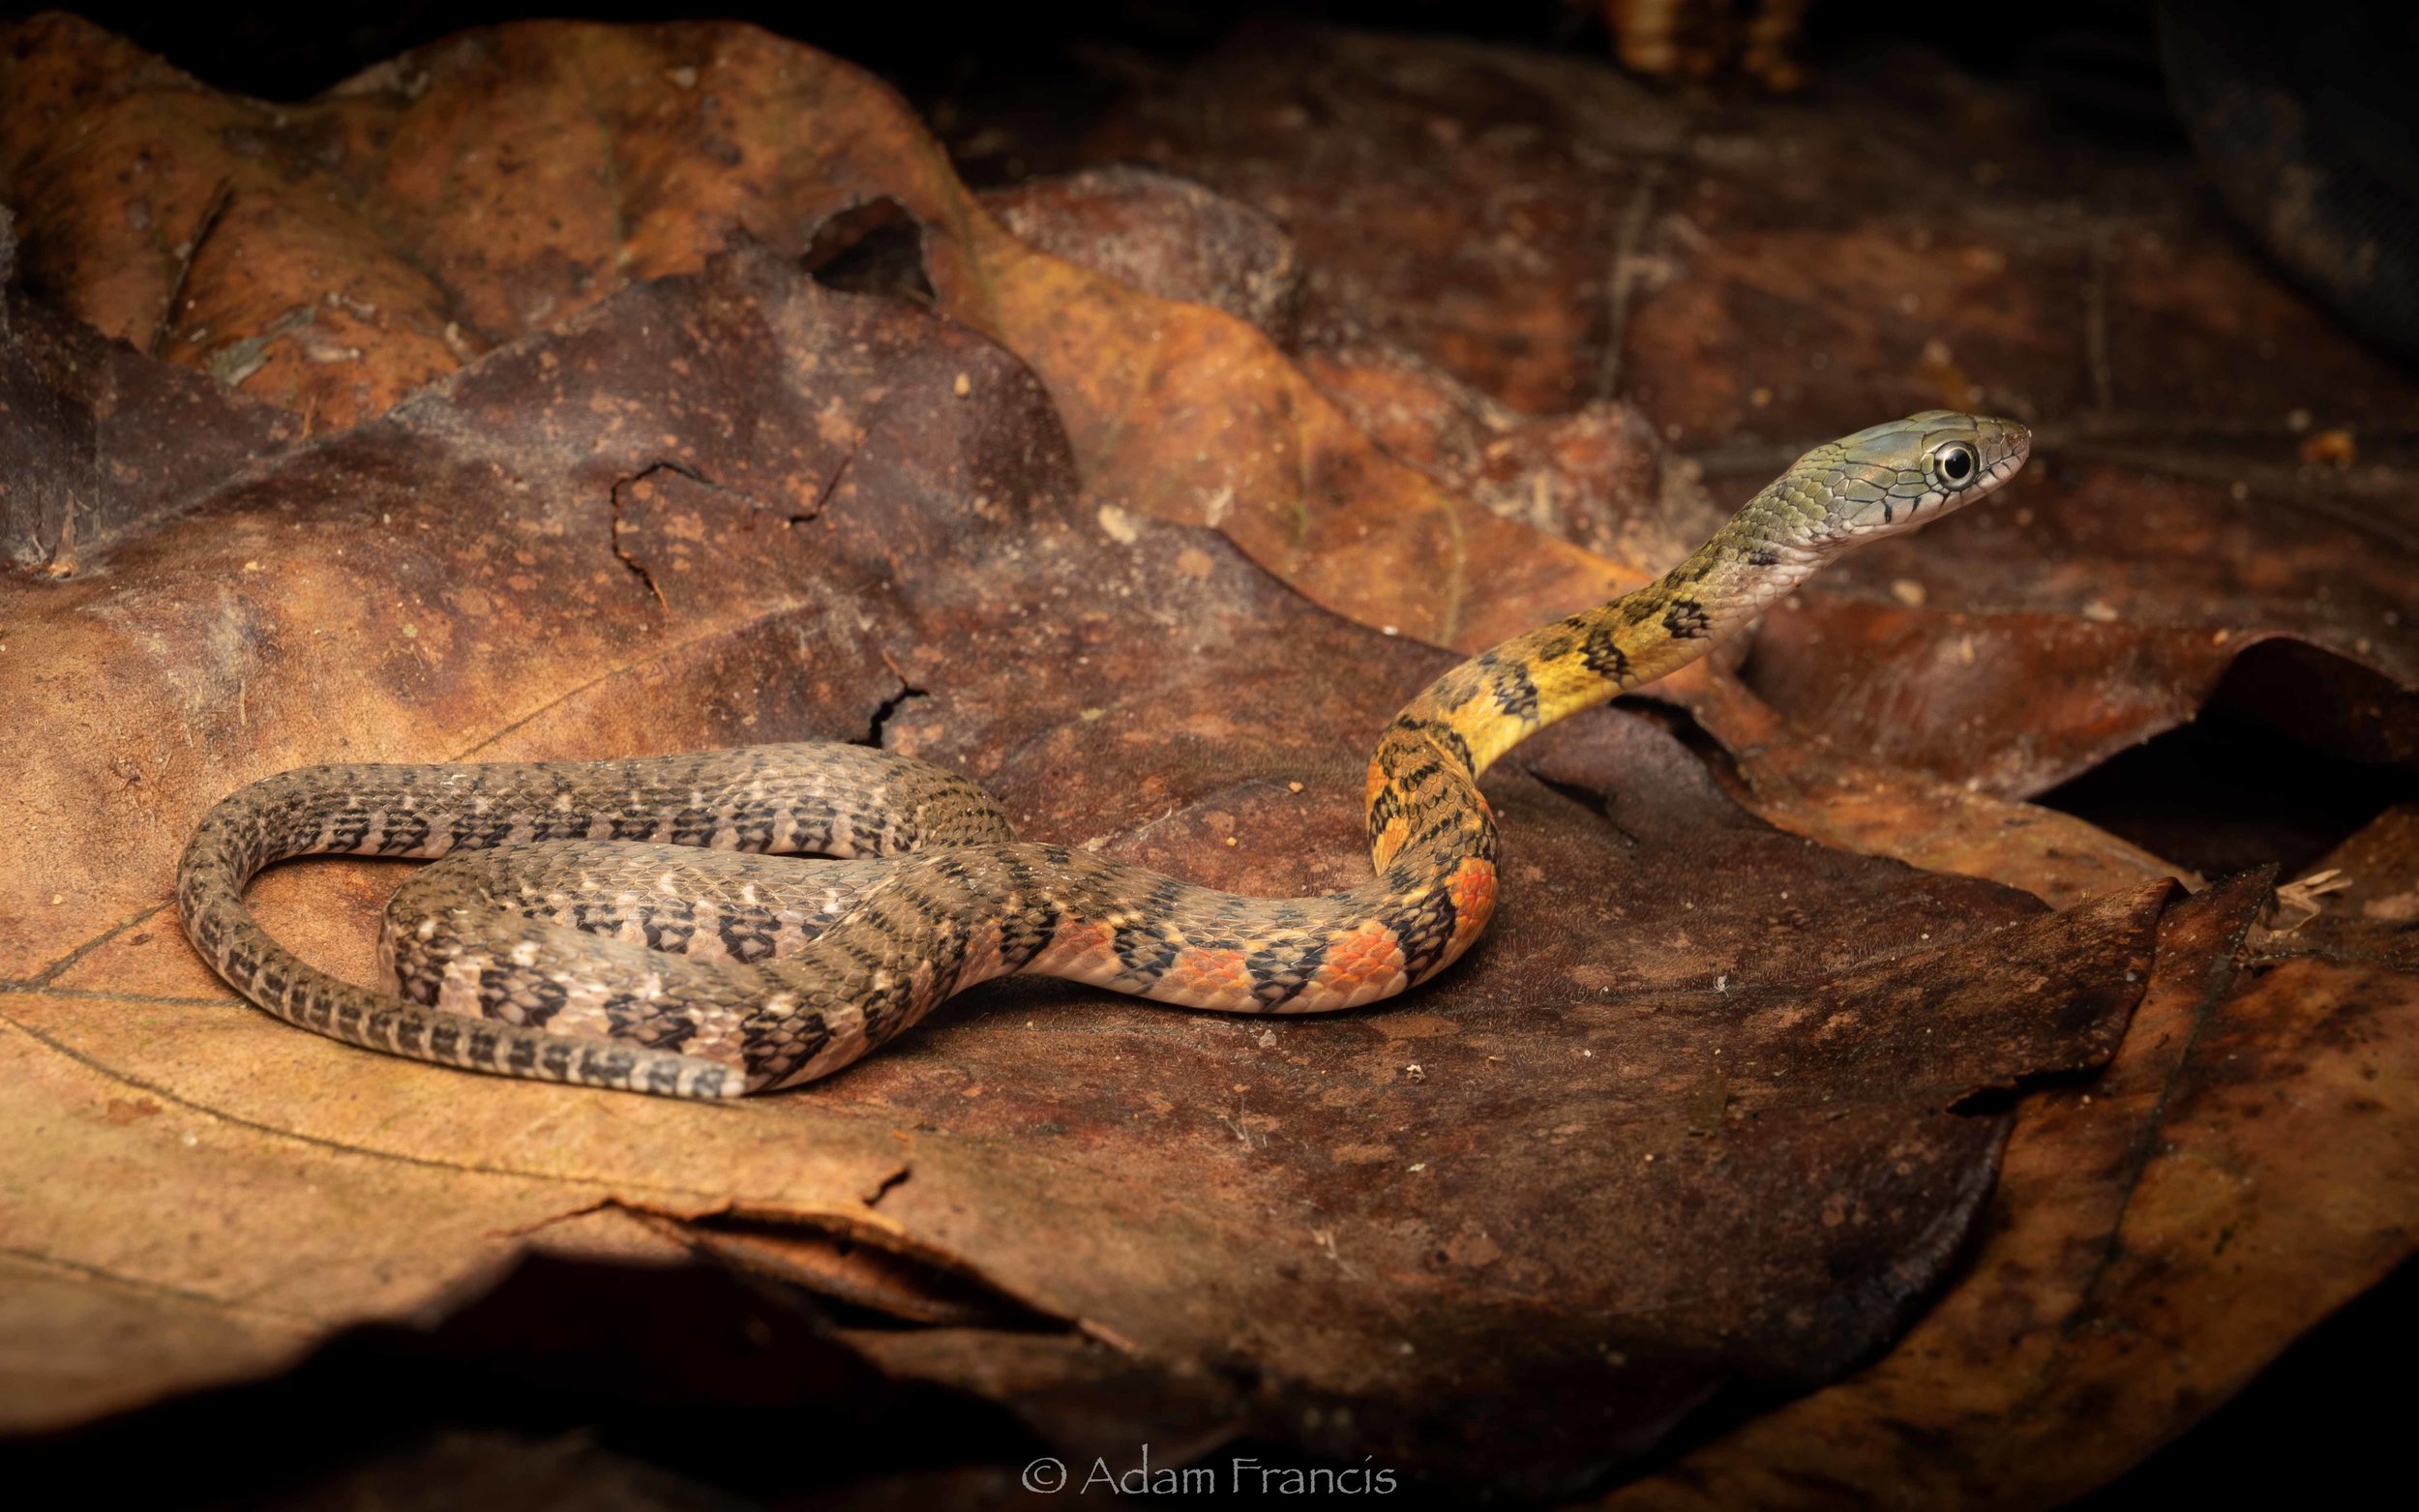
x=2242 y=1165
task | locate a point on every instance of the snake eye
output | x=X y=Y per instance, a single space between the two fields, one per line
x=1956 y=462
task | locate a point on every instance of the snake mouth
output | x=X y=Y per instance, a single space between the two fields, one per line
x=2020 y=441
x=2007 y=466
x=2007 y=445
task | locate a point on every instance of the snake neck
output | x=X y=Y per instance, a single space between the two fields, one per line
x=1430 y=758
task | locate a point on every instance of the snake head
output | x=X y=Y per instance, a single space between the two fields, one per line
x=1897 y=476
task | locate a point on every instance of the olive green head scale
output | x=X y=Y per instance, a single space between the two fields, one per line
x=1888 y=479
x=1876 y=483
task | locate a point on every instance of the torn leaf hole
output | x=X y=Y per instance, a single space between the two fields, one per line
x=875 y=246
x=880 y=722
x=2294 y=750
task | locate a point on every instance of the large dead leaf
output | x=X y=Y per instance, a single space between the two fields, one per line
x=482 y=187
x=1688 y=1117
x=2240 y=1170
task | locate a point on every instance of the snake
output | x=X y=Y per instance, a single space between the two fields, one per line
x=650 y=923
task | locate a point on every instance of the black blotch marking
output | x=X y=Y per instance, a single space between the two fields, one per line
x=1606 y=657
x=1280 y=972
x=1424 y=928
x=1688 y=620
x=1450 y=739
x=1516 y=693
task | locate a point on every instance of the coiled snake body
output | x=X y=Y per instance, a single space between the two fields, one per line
x=617 y=924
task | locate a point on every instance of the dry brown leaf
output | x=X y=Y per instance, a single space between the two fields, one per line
x=104 y=441
x=2241 y=1170
x=1734 y=1043
x=626 y=153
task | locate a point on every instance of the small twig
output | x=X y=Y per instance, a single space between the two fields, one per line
x=2303 y=895
x=2096 y=325
x=1623 y=276
x=219 y=198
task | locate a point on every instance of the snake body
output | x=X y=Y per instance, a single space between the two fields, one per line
x=626 y=924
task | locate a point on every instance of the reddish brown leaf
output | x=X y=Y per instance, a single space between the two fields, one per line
x=2242 y=1168
x=1732 y=1043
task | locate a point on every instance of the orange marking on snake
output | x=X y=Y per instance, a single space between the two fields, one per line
x=1368 y=954
x=1471 y=888
x=1081 y=949
x=1219 y=973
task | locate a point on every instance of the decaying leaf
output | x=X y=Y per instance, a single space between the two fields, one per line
x=102 y=442
x=2236 y=1173
x=1698 y=1037
x=627 y=153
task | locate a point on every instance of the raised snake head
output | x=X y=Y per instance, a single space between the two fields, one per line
x=1903 y=474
